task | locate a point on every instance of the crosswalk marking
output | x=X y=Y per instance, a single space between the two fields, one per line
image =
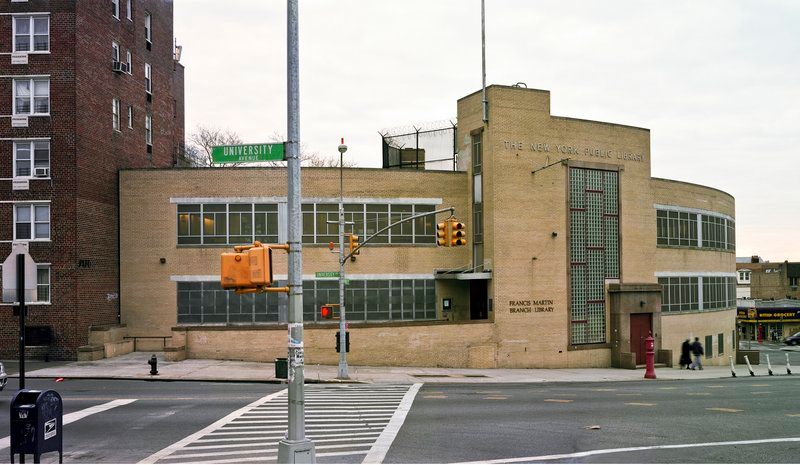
x=341 y=420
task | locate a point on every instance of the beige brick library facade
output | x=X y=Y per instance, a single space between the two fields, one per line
x=575 y=252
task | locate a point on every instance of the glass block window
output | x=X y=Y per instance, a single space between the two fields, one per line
x=367 y=300
x=594 y=250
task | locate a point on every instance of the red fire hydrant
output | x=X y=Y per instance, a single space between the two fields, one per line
x=650 y=370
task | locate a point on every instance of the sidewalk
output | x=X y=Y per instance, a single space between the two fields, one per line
x=134 y=366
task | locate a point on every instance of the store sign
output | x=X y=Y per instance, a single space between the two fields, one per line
x=783 y=314
x=569 y=151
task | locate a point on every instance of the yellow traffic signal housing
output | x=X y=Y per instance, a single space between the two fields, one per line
x=443 y=234
x=248 y=269
x=458 y=233
x=353 y=244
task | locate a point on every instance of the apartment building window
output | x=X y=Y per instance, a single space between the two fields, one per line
x=115 y=8
x=148 y=131
x=31 y=96
x=793 y=281
x=128 y=58
x=148 y=82
x=114 y=51
x=130 y=117
x=32 y=159
x=31 y=222
x=130 y=11
x=115 y=113
x=31 y=33
x=148 y=23
x=43 y=283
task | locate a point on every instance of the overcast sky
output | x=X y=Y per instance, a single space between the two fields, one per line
x=716 y=82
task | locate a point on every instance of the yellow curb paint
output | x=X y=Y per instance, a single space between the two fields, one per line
x=643 y=404
x=720 y=409
x=495 y=397
x=604 y=390
x=434 y=397
x=715 y=387
x=759 y=385
x=793 y=414
x=668 y=388
x=561 y=401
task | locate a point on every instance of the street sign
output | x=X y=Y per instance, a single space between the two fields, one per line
x=326 y=274
x=248 y=153
x=10 y=275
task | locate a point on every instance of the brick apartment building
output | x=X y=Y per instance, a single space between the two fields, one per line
x=86 y=88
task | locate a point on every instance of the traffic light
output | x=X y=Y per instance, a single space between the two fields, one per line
x=326 y=312
x=346 y=341
x=458 y=233
x=249 y=268
x=353 y=244
x=443 y=234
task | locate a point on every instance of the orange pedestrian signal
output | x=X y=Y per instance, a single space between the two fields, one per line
x=249 y=268
x=458 y=233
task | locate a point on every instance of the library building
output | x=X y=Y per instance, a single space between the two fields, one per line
x=574 y=252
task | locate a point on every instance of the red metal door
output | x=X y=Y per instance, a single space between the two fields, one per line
x=640 y=329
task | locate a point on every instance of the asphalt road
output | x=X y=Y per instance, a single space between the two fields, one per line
x=576 y=422
x=499 y=422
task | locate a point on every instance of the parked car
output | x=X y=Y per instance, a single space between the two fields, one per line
x=3 y=377
x=793 y=340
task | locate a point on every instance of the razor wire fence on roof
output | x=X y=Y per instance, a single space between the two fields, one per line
x=427 y=146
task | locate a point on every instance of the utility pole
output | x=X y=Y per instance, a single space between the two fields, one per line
x=295 y=447
x=342 y=321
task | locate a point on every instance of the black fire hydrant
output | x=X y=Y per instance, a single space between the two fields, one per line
x=153 y=362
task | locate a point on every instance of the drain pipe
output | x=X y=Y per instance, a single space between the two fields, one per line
x=749 y=367
x=733 y=368
x=769 y=366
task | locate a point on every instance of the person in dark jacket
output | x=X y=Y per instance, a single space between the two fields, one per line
x=686 y=357
x=697 y=351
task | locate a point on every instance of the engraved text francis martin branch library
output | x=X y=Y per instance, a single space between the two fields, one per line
x=574 y=252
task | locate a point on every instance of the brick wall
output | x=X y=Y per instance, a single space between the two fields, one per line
x=86 y=153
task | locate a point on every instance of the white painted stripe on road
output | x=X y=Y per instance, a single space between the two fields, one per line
x=328 y=437
x=188 y=439
x=80 y=414
x=590 y=453
x=265 y=459
x=378 y=450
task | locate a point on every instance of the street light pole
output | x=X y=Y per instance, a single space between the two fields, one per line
x=342 y=321
x=294 y=447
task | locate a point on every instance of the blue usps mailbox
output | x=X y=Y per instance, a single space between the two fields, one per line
x=36 y=424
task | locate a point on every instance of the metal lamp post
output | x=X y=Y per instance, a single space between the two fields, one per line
x=342 y=321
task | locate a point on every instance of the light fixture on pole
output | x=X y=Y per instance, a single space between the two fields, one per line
x=342 y=373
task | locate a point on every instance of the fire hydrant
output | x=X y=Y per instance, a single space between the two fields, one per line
x=650 y=355
x=153 y=362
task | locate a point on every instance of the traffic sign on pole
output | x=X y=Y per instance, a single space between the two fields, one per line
x=10 y=275
x=248 y=153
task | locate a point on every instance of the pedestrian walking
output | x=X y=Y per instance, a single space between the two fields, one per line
x=686 y=357
x=697 y=351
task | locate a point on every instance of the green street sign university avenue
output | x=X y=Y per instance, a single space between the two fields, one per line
x=247 y=153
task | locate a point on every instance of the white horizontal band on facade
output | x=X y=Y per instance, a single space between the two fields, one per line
x=283 y=277
x=40 y=52
x=27 y=13
x=693 y=274
x=404 y=200
x=24 y=201
x=32 y=76
x=21 y=138
x=677 y=208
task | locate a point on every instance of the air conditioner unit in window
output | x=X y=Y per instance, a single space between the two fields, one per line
x=118 y=66
x=41 y=172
